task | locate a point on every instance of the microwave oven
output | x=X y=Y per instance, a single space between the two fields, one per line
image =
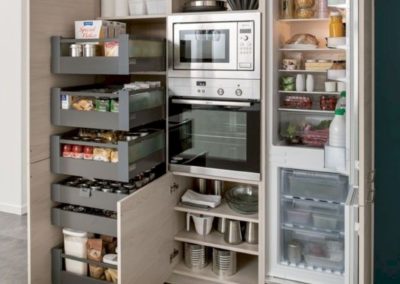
x=215 y=45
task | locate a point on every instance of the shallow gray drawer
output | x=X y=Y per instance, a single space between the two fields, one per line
x=84 y=222
x=128 y=61
x=136 y=107
x=134 y=157
x=85 y=197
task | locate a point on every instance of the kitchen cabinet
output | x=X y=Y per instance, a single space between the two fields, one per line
x=150 y=223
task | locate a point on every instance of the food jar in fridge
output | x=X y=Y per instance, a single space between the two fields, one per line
x=75 y=245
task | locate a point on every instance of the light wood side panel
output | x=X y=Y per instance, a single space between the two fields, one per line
x=147 y=224
x=47 y=18
x=42 y=236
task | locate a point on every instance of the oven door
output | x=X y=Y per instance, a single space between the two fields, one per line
x=205 y=46
x=216 y=138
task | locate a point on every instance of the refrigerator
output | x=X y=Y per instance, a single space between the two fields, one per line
x=319 y=198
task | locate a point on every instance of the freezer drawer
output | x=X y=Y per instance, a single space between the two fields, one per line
x=314 y=185
x=134 y=55
x=134 y=157
x=136 y=107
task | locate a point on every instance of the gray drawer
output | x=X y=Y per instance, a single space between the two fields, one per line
x=136 y=108
x=134 y=157
x=130 y=59
x=84 y=222
x=85 y=197
x=60 y=276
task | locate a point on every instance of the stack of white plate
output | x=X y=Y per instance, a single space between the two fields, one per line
x=195 y=256
x=224 y=262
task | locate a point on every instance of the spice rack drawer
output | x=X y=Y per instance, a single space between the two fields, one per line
x=134 y=157
x=85 y=197
x=136 y=107
x=134 y=55
x=61 y=276
x=84 y=222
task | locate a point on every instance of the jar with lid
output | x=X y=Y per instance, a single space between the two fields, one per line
x=75 y=50
x=336 y=27
x=287 y=9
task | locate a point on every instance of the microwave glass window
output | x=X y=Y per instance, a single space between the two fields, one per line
x=204 y=46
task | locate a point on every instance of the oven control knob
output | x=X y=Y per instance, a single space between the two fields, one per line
x=245 y=38
x=220 y=91
x=239 y=92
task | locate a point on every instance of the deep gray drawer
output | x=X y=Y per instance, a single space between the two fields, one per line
x=60 y=276
x=127 y=62
x=134 y=157
x=136 y=108
x=85 y=197
x=84 y=222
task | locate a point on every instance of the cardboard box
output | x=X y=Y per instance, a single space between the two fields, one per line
x=96 y=29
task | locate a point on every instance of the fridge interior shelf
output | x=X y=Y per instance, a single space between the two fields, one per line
x=310 y=111
x=61 y=276
x=215 y=240
x=134 y=54
x=84 y=222
x=85 y=197
x=134 y=157
x=136 y=107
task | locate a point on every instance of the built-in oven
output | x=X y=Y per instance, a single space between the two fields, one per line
x=215 y=137
x=215 y=45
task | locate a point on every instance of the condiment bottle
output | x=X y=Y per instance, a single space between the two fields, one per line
x=336 y=28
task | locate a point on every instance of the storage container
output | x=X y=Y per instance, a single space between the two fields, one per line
x=75 y=245
x=137 y=7
x=298 y=217
x=325 y=222
x=157 y=7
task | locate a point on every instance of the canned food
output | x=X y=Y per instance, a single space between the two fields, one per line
x=75 y=50
x=114 y=105
x=88 y=153
x=89 y=50
x=65 y=101
x=67 y=151
x=103 y=104
x=77 y=152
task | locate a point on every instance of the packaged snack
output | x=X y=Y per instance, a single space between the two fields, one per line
x=102 y=154
x=95 y=252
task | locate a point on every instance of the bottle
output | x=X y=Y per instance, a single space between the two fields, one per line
x=341 y=103
x=336 y=28
x=300 y=83
x=322 y=11
x=310 y=83
x=287 y=9
x=337 y=129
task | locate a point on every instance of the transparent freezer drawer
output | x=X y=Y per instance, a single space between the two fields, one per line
x=314 y=185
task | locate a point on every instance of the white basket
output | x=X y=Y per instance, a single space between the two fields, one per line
x=75 y=245
x=156 y=7
x=137 y=7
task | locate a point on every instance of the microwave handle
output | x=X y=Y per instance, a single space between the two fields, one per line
x=211 y=103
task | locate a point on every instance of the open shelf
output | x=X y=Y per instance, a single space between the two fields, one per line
x=152 y=18
x=302 y=71
x=247 y=271
x=215 y=240
x=295 y=20
x=222 y=211
x=244 y=181
x=309 y=93
x=311 y=111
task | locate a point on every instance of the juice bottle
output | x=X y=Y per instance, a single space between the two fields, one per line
x=336 y=28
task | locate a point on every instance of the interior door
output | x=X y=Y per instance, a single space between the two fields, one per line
x=147 y=224
x=365 y=58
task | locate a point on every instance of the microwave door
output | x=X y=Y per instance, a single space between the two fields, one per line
x=205 y=46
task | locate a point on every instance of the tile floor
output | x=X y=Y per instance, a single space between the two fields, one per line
x=13 y=249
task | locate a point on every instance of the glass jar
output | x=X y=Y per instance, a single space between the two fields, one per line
x=336 y=28
x=287 y=9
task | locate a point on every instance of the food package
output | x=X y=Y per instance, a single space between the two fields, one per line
x=88 y=133
x=297 y=102
x=109 y=243
x=92 y=29
x=318 y=66
x=303 y=39
x=111 y=48
x=114 y=156
x=82 y=104
x=102 y=154
x=109 y=136
x=111 y=275
x=95 y=252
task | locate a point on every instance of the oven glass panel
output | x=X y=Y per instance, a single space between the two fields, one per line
x=204 y=46
x=215 y=137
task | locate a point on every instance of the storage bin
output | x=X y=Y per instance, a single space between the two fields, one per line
x=325 y=222
x=75 y=245
x=298 y=217
x=137 y=7
x=157 y=7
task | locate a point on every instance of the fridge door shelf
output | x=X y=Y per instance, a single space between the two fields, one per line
x=134 y=55
x=84 y=222
x=61 y=276
x=134 y=157
x=136 y=107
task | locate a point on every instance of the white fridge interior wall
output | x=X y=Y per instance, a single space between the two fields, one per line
x=12 y=116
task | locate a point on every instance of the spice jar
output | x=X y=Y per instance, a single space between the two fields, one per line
x=75 y=50
x=114 y=105
x=77 y=152
x=67 y=151
x=336 y=28
x=287 y=9
x=88 y=153
x=103 y=104
x=89 y=50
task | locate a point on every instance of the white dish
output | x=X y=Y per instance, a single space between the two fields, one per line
x=300 y=46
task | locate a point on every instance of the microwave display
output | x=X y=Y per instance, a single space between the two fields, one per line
x=204 y=46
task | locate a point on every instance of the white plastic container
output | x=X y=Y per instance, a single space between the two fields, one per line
x=137 y=7
x=156 y=7
x=300 y=83
x=337 y=129
x=107 y=8
x=335 y=158
x=121 y=8
x=310 y=83
x=341 y=103
x=75 y=245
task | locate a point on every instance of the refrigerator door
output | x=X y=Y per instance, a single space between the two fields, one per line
x=351 y=237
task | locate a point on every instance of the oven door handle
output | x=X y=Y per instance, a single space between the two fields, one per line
x=211 y=103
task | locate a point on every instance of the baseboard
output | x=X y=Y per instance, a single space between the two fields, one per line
x=13 y=209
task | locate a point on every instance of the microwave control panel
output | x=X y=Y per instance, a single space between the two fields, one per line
x=246 y=45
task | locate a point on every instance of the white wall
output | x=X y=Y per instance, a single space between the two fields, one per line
x=13 y=110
